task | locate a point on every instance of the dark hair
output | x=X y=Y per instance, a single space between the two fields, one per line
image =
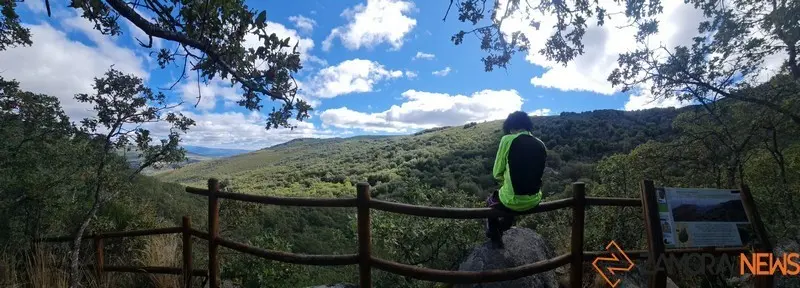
x=517 y=121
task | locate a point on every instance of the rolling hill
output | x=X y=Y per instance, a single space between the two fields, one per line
x=458 y=157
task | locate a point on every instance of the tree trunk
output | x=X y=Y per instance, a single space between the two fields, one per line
x=74 y=258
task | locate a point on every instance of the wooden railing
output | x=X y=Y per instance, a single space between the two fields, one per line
x=366 y=261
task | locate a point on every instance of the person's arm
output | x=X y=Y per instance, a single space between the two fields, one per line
x=500 y=160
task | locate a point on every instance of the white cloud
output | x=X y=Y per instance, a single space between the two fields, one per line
x=59 y=66
x=138 y=34
x=304 y=45
x=240 y=131
x=303 y=23
x=35 y=6
x=423 y=110
x=351 y=76
x=423 y=55
x=411 y=74
x=211 y=92
x=442 y=72
x=645 y=100
x=540 y=112
x=379 y=21
x=603 y=44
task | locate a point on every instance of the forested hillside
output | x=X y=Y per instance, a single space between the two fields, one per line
x=49 y=185
x=453 y=158
x=721 y=145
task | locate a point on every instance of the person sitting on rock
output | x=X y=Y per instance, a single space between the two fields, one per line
x=518 y=168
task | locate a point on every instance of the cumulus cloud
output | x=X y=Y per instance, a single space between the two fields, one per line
x=35 y=6
x=220 y=90
x=379 y=21
x=603 y=44
x=304 y=45
x=59 y=66
x=423 y=55
x=411 y=74
x=239 y=131
x=138 y=35
x=645 y=100
x=540 y=112
x=421 y=110
x=442 y=72
x=351 y=76
x=208 y=93
x=303 y=23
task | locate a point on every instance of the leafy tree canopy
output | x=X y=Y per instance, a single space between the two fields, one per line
x=210 y=41
x=728 y=54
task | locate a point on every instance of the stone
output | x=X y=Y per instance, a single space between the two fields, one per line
x=522 y=246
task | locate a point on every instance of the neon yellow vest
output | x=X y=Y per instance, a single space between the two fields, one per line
x=501 y=174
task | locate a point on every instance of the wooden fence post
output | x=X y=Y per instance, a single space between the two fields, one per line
x=758 y=228
x=187 y=252
x=655 y=237
x=213 y=232
x=99 y=259
x=578 y=217
x=364 y=236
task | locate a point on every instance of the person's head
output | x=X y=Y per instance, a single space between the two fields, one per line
x=517 y=121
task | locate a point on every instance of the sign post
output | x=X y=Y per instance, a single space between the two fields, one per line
x=690 y=218
x=655 y=242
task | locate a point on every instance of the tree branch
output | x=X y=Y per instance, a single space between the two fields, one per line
x=448 y=11
x=792 y=115
x=128 y=13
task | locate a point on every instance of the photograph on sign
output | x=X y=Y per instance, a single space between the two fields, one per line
x=699 y=217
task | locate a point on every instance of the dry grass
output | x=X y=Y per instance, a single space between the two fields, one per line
x=42 y=269
x=165 y=251
x=8 y=272
x=39 y=270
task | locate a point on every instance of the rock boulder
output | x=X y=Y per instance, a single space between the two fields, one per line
x=522 y=246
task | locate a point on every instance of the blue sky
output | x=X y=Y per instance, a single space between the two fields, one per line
x=371 y=67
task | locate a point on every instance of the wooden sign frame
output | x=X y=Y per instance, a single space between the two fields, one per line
x=655 y=243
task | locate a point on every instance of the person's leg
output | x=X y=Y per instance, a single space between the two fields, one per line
x=506 y=223
x=493 y=225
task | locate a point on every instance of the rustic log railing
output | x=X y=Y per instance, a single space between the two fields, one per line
x=100 y=268
x=363 y=203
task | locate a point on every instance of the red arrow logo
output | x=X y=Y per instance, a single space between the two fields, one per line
x=613 y=263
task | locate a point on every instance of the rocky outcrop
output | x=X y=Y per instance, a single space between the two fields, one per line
x=522 y=246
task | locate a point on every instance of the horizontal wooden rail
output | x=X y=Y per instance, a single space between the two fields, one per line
x=319 y=260
x=280 y=201
x=613 y=201
x=200 y=234
x=461 y=213
x=469 y=277
x=116 y=234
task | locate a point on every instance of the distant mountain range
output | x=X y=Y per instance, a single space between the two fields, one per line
x=194 y=154
x=214 y=152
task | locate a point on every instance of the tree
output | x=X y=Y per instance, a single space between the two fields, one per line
x=210 y=40
x=562 y=46
x=727 y=56
x=123 y=105
x=11 y=32
x=37 y=164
